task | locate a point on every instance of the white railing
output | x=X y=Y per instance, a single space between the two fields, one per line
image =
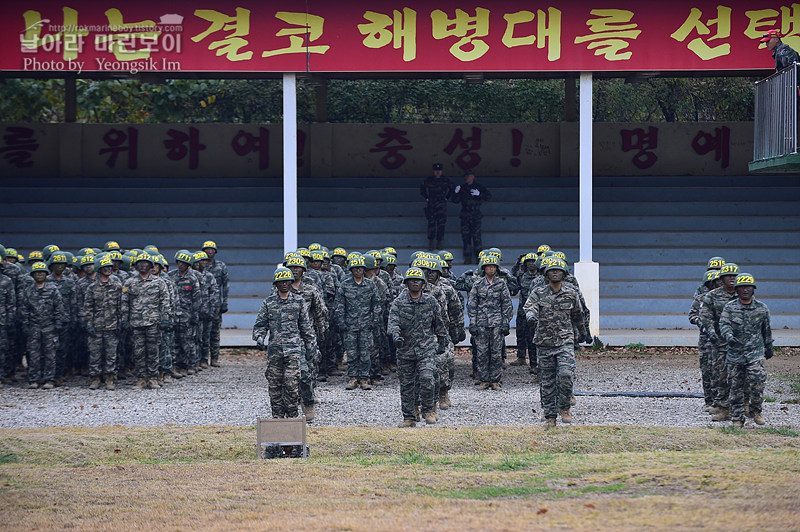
x=776 y=115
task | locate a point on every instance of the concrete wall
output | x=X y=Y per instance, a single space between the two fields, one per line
x=374 y=150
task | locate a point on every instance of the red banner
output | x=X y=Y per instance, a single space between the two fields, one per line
x=390 y=36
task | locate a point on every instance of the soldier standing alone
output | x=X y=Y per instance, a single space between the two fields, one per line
x=471 y=195
x=415 y=318
x=284 y=320
x=554 y=311
x=436 y=190
x=745 y=326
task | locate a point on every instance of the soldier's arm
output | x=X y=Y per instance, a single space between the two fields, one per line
x=725 y=325
x=225 y=282
x=86 y=311
x=694 y=311
x=62 y=314
x=197 y=299
x=531 y=307
x=766 y=329
x=472 y=306
x=377 y=309
x=578 y=318
x=706 y=315
x=320 y=311
x=338 y=307
x=306 y=330
x=215 y=296
x=393 y=327
x=125 y=314
x=261 y=326
x=508 y=305
x=164 y=302
x=439 y=328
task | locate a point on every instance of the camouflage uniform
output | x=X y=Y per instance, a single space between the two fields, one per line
x=44 y=317
x=187 y=313
x=746 y=330
x=286 y=323
x=318 y=315
x=454 y=310
x=325 y=343
x=436 y=191
x=80 y=346
x=66 y=353
x=784 y=56
x=357 y=312
x=145 y=307
x=101 y=310
x=168 y=336
x=555 y=316
x=220 y=272
x=209 y=308
x=16 y=338
x=8 y=319
x=704 y=345
x=417 y=321
x=380 y=349
x=471 y=216
x=710 y=312
x=525 y=330
x=490 y=310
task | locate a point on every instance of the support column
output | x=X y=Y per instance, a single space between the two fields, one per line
x=587 y=271
x=321 y=91
x=289 y=162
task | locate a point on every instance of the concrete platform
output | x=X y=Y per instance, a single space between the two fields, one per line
x=611 y=337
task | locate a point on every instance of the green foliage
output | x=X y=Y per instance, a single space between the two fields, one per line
x=783 y=431
x=636 y=347
x=376 y=101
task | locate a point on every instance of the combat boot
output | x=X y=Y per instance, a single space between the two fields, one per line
x=308 y=411
x=33 y=385
x=758 y=418
x=407 y=423
x=496 y=386
x=215 y=363
x=152 y=383
x=550 y=423
x=95 y=383
x=711 y=409
x=167 y=378
x=444 y=400
x=738 y=424
x=203 y=365
x=430 y=418
x=485 y=385
x=566 y=415
x=520 y=361
x=49 y=385
x=352 y=384
x=335 y=372
x=747 y=410
x=140 y=384
x=572 y=400
x=364 y=384
x=722 y=415
x=110 y=382
x=177 y=374
x=191 y=371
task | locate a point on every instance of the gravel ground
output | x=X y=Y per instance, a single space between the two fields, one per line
x=236 y=394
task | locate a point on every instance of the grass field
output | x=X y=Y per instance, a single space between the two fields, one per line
x=362 y=478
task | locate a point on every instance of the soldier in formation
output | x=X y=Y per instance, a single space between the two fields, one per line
x=735 y=340
x=102 y=312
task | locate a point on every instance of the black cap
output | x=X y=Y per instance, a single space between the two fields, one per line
x=469 y=171
x=437 y=166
